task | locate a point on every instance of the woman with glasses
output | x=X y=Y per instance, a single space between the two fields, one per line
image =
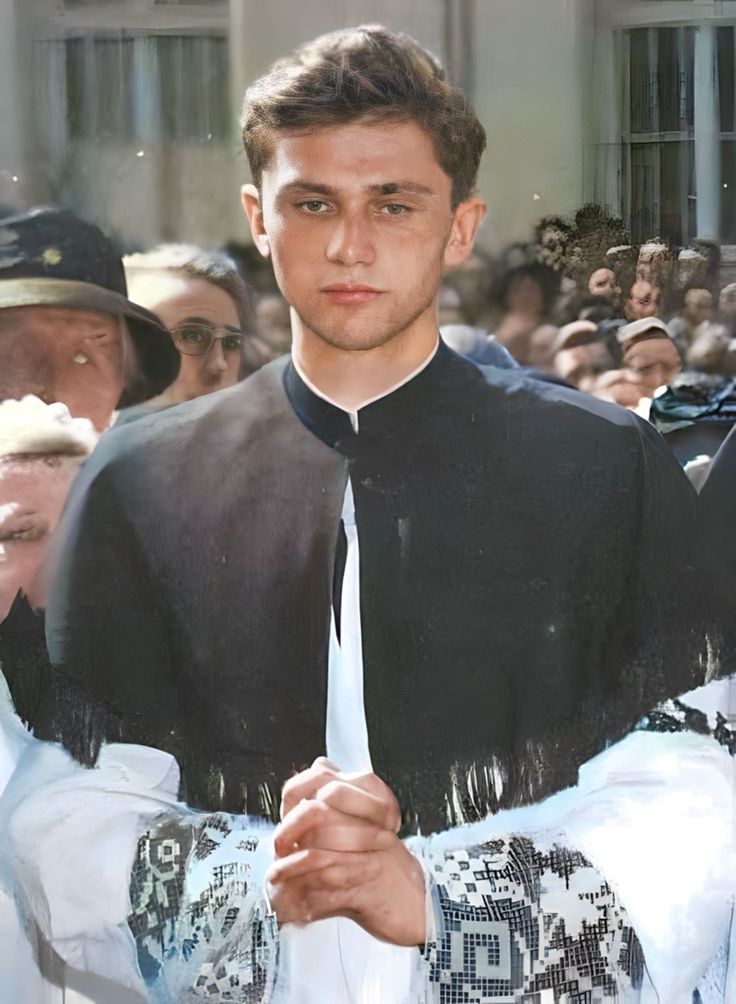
x=203 y=301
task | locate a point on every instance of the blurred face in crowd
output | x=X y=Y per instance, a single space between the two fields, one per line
x=60 y=354
x=525 y=297
x=643 y=301
x=656 y=362
x=603 y=283
x=359 y=222
x=727 y=302
x=33 y=490
x=191 y=308
x=698 y=306
x=583 y=365
x=273 y=323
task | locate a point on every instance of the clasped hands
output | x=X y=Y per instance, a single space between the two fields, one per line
x=338 y=855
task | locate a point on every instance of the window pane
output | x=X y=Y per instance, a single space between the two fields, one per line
x=662 y=189
x=661 y=79
x=642 y=94
x=677 y=212
x=668 y=80
x=725 y=78
x=186 y=94
x=644 y=191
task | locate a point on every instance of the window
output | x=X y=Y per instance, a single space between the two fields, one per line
x=143 y=89
x=664 y=122
x=660 y=140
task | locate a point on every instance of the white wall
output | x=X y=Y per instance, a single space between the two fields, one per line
x=528 y=93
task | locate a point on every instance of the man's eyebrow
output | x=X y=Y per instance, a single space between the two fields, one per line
x=395 y=187
x=385 y=188
x=301 y=185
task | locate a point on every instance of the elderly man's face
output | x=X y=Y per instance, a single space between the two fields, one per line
x=59 y=354
x=643 y=301
x=603 y=283
x=32 y=494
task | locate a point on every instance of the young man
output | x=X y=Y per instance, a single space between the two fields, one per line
x=457 y=582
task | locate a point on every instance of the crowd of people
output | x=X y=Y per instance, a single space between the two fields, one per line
x=402 y=661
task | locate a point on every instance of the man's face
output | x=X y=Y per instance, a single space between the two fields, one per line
x=655 y=361
x=358 y=221
x=59 y=354
x=643 y=301
x=32 y=494
x=583 y=365
x=603 y=283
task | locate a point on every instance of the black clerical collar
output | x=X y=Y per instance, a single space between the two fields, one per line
x=338 y=428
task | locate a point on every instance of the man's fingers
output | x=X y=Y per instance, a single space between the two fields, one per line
x=315 y=824
x=306 y=784
x=299 y=863
x=376 y=806
x=364 y=795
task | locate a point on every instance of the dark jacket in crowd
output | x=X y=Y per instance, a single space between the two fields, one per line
x=528 y=586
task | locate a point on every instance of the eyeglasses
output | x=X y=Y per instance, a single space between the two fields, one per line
x=197 y=339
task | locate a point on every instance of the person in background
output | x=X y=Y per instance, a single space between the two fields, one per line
x=41 y=449
x=203 y=301
x=603 y=283
x=273 y=324
x=642 y=301
x=526 y=296
x=649 y=351
x=582 y=354
x=68 y=331
x=697 y=307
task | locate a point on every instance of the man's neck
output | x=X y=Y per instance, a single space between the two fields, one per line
x=353 y=378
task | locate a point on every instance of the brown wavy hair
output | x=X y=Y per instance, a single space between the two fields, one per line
x=370 y=74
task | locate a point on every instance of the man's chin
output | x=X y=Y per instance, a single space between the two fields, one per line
x=354 y=341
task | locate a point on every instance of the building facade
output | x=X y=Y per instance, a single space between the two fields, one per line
x=127 y=109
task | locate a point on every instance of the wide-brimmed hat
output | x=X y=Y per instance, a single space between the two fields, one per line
x=51 y=257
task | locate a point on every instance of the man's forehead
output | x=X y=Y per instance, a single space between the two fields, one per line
x=368 y=155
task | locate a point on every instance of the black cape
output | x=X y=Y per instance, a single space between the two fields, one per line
x=528 y=587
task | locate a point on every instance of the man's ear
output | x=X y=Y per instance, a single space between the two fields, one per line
x=466 y=221
x=252 y=207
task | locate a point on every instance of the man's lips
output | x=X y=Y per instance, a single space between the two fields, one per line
x=351 y=293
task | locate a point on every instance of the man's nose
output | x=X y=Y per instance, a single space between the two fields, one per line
x=351 y=241
x=216 y=361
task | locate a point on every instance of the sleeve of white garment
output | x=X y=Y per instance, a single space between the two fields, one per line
x=202 y=923
x=627 y=878
x=68 y=837
x=124 y=883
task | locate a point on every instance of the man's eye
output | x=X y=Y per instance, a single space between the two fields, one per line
x=191 y=335
x=314 y=206
x=395 y=209
x=232 y=342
